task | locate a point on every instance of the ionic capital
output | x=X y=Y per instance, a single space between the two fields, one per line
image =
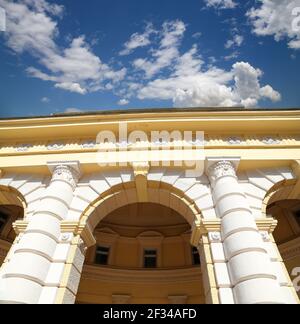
x=218 y=168
x=65 y=171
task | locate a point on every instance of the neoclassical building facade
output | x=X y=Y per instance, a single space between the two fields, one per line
x=90 y=215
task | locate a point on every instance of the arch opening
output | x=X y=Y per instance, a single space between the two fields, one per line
x=283 y=204
x=12 y=208
x=143 y=255
x=126 y=193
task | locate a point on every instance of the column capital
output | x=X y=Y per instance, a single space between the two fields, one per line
x=220 y=167
x=68 y=171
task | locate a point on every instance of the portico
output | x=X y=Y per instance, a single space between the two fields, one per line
x=73 y=203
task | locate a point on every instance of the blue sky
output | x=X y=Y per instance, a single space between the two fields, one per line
x=58 y=56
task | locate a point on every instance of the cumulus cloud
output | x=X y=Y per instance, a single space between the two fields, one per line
x=138 y=40
x=213 y=87
x=165 y=73
x=123 y=102
x=71 y=86
x=171 y=35
x=189 y=81
x=31 y=27
x=277 y=18
x=221 y=4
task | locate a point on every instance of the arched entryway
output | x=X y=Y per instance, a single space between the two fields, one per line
x=143 y=252
x=287 y=235
x=283 y=204
x=143 y=255
x=11 y=209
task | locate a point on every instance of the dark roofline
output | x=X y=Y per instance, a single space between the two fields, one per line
x=152 y=110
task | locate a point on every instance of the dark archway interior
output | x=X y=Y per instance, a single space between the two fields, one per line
x=8 y=215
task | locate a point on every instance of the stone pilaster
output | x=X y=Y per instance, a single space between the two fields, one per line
x=208 y=273
x=70 y=280
x=77 y=237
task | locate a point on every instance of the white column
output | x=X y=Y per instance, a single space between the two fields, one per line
x=249 y=265
x=24 y=276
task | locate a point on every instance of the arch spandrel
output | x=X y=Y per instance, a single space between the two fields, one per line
x=109 y=191
x=25 y=190
x=260 y=184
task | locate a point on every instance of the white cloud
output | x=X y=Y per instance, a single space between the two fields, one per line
x=210 y=88
x=72 y=87
x=268 y=92
x=73 y=110
x=221 y=4
x=138 y=40
x=44 y=6
x=123 y=102
x=275 y=18
x=171 y=35
x=236 y=41
x=232 y=56
x=31 y=27
x=189 y=81
x=45 y=100
x=197 y=35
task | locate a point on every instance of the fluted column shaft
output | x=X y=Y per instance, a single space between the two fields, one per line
x=249 y=265
x=25 y=274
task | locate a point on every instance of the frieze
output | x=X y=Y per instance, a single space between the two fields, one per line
x=209 y=141
x=23 y=147
x=271 y=140
x=234 y=140
x=88 y=144
x=55 y=146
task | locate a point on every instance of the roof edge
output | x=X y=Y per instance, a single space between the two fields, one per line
x=111 y=112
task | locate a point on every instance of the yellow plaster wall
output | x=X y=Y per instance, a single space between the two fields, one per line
x=100 y=292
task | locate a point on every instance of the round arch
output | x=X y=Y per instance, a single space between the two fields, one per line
x=124 y=194
x=11 y=196
x=283 y=190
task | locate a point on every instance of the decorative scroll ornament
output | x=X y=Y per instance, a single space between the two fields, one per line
x=234 y=140
x=88 y=145
x=23 y=148
x=67 y=174
x=215 y=237
x=270 y=140
x=66 y=237
x=55 y=146
x=221 y=169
